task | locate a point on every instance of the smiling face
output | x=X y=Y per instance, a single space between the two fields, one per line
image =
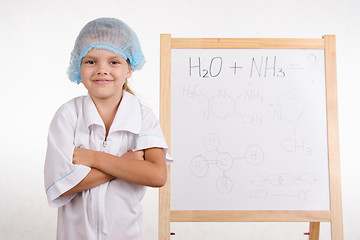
x=104 y=73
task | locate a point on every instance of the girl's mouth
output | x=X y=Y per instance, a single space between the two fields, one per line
x=102 y=81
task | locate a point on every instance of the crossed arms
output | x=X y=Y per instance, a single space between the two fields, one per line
x=145 y=167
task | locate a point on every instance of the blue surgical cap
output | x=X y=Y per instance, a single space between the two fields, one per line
x=110 y=34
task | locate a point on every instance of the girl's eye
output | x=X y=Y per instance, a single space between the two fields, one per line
x=114 y=62
x=89 y=62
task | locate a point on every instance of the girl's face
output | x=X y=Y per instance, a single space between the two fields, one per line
x=104 y=73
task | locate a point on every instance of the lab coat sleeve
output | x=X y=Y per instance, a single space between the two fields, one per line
x=59 y=172
x=151 y=134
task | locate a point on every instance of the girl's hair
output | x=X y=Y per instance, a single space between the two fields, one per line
x=110 y=34
x=126 y=88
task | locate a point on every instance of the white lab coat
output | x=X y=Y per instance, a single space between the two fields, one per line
x=111 y=210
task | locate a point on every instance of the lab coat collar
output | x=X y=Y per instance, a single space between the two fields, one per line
x=128 y=116
x=91 y=115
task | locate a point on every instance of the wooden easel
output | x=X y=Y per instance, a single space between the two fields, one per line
x=334 y=215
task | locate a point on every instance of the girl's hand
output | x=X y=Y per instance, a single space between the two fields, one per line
x=137 y=155
x=88 y=157
x=84 y=157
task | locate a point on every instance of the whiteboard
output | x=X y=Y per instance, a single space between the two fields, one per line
x=248 y=130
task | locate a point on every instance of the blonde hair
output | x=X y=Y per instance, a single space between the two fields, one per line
x=126 y=86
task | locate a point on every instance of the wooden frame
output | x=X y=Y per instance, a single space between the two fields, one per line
x=334 y=215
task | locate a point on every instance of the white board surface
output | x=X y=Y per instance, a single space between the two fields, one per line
x=248 y=130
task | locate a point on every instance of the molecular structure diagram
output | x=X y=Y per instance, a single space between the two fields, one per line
x=199 y=165
x=282 y=180
x=250 y=106
x=223 y=106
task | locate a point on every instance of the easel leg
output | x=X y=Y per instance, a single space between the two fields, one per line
x=314 y=231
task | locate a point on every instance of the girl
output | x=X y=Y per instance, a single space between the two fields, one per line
x=105 y=147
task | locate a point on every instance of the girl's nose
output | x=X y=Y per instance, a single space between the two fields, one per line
x=102 y=70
